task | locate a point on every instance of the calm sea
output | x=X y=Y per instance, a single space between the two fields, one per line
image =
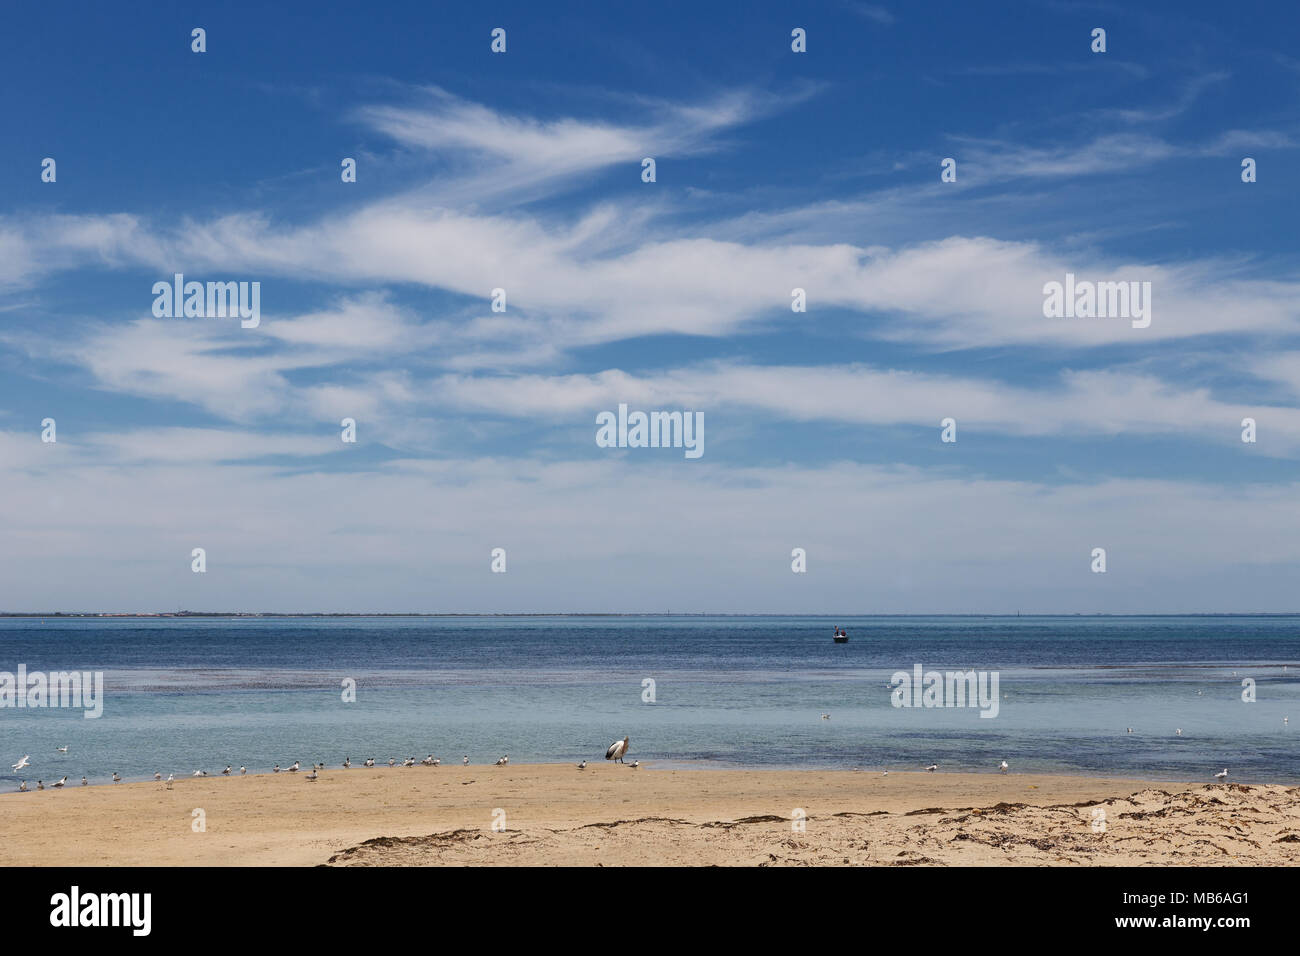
x=183 y=694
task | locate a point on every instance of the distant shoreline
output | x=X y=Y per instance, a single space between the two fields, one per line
x=846 y=615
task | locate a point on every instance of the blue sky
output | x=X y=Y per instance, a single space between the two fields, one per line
x=775 y=170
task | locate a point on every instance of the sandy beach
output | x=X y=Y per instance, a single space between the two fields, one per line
x=549 y=814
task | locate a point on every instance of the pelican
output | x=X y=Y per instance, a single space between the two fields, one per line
x=1222 y=774
x=295 y=766
x=1003 y=767
x=63 y=749
x=583 y=765
x=347 y=763
x=85 y=782
x=26 y=761
x=932 y=768
x=59 y=784
x=157 y=775
x=503 y=761
x=22 y=786
x=312 y=775
x=226 y=772
x=616 y=750
x=117 y=777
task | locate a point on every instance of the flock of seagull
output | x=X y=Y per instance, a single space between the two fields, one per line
x=615 y=752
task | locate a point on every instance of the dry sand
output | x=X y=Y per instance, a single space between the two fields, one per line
x=616 y=815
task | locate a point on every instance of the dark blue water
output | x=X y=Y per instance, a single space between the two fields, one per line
x=188 y=693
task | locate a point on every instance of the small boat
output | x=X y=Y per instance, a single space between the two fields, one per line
x=841 y=637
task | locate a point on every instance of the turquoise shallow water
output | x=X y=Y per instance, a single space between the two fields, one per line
x=188 y=693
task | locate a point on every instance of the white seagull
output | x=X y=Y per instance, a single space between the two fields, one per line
x=171 y=778
x=117 y=777
x=311 y=776
x=634 y=764
x=1222 y=774
x=826 y=716
x=392 y=762
x=85 y=782
x=503 y=761
x=26 y=761
x=226 y=772
x=157 y=775
x=40 y=784
x=243 y=770
x=1003 y=767
x=347 y=763
x=428 y=761
x=465 y=760
x=583 y=765
x=408 y=762
x=616 y=750
x=22 y=786
x=275 y=769
x=932 y=768
x=200 y=773
x=60 y=784
x=370 y=762
x=295 y=766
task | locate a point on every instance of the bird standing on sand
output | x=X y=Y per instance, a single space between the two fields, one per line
x=932 y=768
x=40 y=784
x=634 y=764
x=583 y=765
x=347 y=763
x=1222 y=774
x=85 y=782
x=503 y=761
x=369 y=762
x=392 y=762
x=275 y=769
x=243 y=771
x=408 y=762
x=616 y=750
x=171 y=778
x=1003 y=768
x=312 y=775
x=200 y=773
x=22 y=786
x=296 y=765
x=59 y=785
x=27 y=759
x=157 y=775
x=226 y=772
x=117 y=777
x=465 y=760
